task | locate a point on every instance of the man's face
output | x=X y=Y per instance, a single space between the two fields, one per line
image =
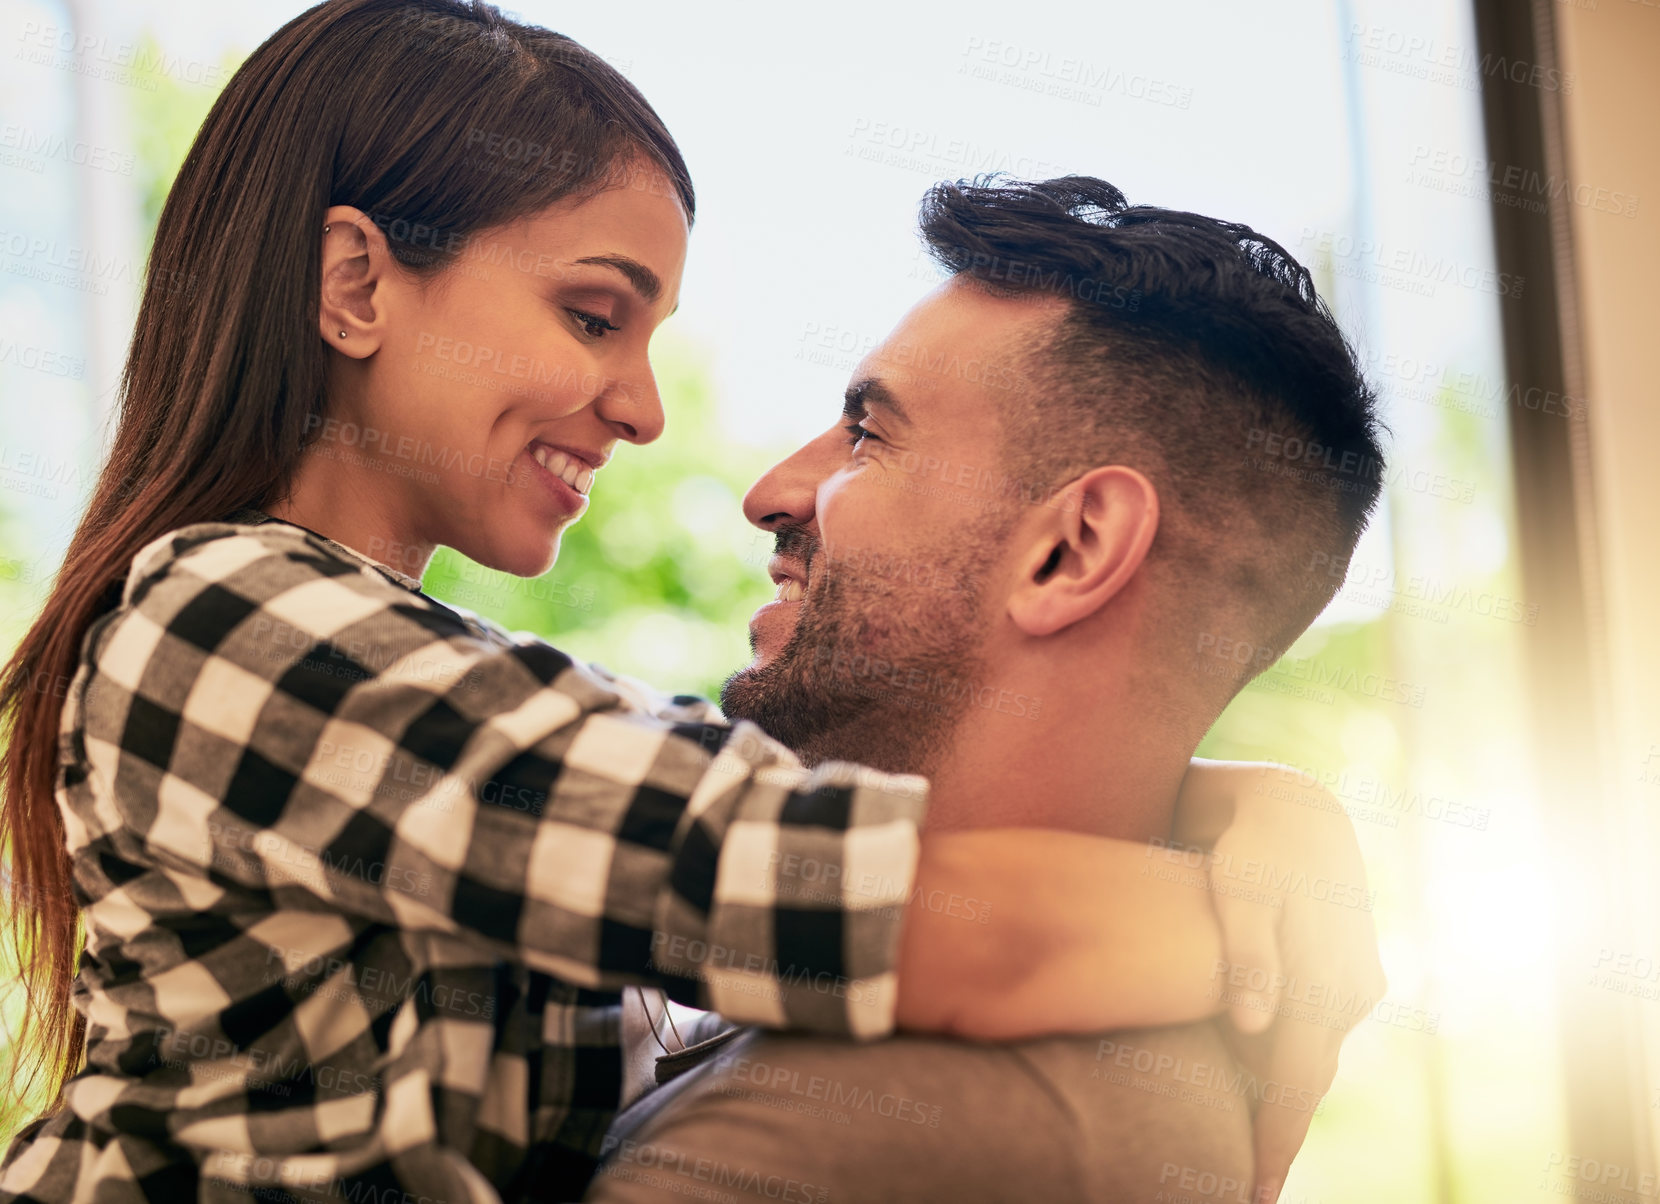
x=890 y=532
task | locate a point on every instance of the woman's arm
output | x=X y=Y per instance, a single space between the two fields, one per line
x=1079 y=934
x=306 y=735
x=1073 y=933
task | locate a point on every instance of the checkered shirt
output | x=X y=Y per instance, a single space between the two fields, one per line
x=363 y=875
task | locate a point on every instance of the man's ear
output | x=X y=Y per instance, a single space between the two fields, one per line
x=1086 y=549
x=356 y=261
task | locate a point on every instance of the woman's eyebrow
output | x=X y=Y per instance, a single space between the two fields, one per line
x=643 y=279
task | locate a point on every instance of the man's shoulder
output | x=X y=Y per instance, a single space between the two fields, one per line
x=911 y=1118
x=924 y=1118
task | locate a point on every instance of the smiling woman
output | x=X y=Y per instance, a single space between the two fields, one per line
x=531 y=363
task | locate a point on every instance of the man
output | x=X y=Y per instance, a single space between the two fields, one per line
x=1024 y=564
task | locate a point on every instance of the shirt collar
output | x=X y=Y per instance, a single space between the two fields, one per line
x=252 y=516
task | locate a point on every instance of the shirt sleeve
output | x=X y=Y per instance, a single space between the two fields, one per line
x=264 y=713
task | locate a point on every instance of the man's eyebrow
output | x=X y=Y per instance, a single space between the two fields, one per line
x=863 y=394
x=643 y=279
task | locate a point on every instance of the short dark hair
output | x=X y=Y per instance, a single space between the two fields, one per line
x=1199 y=352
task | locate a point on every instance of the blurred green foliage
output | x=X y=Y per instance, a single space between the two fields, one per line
x=165 y=118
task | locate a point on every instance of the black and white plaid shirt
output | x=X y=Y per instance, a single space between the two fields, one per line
x=363 y=875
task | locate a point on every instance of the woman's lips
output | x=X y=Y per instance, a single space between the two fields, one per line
x=568 y=499
x=562 y=464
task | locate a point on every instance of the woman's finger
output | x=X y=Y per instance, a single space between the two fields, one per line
x=1250 y=943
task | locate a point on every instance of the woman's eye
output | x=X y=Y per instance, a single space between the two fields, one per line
x=593 y=325
x=857 y=434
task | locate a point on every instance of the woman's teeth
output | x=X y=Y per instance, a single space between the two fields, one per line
x=567 y=468
x=789 y=590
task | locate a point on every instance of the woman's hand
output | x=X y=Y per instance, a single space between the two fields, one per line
x=1025 y=932
x=1300 y=948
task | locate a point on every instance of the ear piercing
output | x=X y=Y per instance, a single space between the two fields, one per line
x=326 y=229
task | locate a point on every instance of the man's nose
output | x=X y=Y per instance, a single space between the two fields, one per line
x=785 y=495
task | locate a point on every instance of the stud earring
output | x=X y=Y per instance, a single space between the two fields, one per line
x=342 y=334
x=326 y=229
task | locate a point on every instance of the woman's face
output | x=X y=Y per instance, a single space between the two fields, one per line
x=485 y=399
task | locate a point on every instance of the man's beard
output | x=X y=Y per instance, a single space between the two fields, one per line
x=881 y=666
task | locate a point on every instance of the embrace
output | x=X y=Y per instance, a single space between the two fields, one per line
x=331 y=890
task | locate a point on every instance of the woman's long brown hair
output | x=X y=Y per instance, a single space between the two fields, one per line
x=439 y=119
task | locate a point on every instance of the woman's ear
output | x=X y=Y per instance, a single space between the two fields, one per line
x=1102 y=526
x=356 y=261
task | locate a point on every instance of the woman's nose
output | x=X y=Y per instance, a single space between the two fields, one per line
x=633 y=409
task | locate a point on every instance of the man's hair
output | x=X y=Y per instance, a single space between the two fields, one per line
x=1198 y=352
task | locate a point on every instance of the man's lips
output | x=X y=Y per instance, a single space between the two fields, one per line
x=774 y=622
x=790 y=576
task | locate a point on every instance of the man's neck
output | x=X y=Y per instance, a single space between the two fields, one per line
x=1088 y=755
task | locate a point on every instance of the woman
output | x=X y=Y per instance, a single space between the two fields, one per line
x=362 y=875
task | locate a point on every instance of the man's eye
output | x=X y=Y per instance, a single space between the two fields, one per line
x=857 y=434
x=592 y=324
